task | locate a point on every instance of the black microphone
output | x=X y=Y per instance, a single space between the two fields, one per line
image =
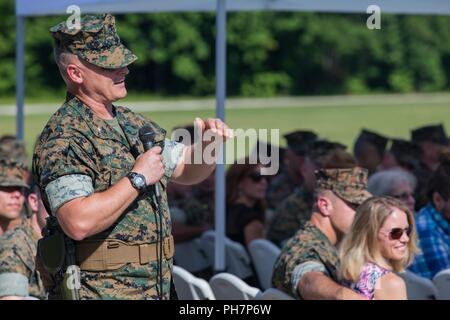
x=147 y=137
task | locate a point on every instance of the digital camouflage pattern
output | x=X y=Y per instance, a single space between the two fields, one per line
x=12 y=173
x=307 y=245
x=279 y=189
x=196 y=212
x=77 y=142
x=11 y=148
x=96 y=42
x=18 y=254
x=348 y=184
x=290 y=216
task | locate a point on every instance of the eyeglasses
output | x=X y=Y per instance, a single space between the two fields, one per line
x=397 y=233
x=256 y=176
x=403 y=196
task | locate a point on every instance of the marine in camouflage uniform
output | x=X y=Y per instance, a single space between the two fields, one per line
x=284 y=184
x=310 y=249
x=290 y=216
x=18 y=274
x=295 y=210
x=79 y=154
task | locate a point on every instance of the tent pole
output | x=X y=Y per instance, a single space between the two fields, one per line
x=219 y=259
x=20 y=76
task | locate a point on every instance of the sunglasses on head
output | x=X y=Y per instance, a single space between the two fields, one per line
x=256 y=176
x=397 y=233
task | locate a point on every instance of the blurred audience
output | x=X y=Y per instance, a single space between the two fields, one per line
x=369 y=149
x=395 y=183
x=246 y=192
x=433 y=223
x=290 y=178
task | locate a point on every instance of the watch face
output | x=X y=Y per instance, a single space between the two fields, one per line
x=139 y=181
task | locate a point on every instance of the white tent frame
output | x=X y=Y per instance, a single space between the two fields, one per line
x=28 y=8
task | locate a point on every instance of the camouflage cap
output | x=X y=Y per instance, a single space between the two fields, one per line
x=348 y=184
x=298 y=141
x=319 y=150
x=11 y=148
x=96 y=41
x=12 y=173
x=434 y=133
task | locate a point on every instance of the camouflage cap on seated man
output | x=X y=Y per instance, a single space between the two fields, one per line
x=96 y=41
x=298 y=141
x=12 y=173
x=348 y=184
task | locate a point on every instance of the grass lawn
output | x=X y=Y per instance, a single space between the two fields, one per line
x=340 y=123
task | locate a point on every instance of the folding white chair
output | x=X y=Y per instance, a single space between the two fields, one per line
x=190 y=287
x=275 y=294
x=442 y=283
x=237 y=259
x=190 y=256
x=264 y=254
x=229 y=287
x=418 y=288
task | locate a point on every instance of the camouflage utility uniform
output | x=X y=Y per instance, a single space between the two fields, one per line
x=18 y=274
x=78 y=154
x=310 y=249
x=290 y=216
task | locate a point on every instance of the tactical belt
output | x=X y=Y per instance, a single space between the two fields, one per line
x=111 y=254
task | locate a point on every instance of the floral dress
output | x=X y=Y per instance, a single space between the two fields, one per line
x=368 y=279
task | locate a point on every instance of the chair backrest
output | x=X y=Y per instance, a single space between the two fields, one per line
x=264 y=254
x=190 y=287
x=229 y=287
x=275 y=294
x=417 y=287
x=236 y=258
x=442 y=283
x=190 y=256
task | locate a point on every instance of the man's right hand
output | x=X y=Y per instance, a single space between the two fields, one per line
x=150 y=165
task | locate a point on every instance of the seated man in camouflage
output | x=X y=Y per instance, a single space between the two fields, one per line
x=292 y=213
x=308 y=263
x=18 y=276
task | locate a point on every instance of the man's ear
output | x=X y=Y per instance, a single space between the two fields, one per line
x=73 y=72
x=324 y=205
x=438 y=201
x=33 y=202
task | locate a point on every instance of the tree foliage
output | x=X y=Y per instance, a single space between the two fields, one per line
x=269 y=53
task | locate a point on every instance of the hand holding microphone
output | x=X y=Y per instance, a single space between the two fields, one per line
x=150 y=163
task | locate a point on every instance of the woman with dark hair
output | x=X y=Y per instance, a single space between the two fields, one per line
x=246 y=191
x=433 y=223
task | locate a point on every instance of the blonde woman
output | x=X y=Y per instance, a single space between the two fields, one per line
x=381 y=243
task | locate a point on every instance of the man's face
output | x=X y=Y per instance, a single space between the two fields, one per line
x=430 y=152
x=11 y=202
x=370 y=158
x=103 y=85
x=342 y=215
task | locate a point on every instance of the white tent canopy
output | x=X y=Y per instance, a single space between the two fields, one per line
x=26 y=8
x=33 y=7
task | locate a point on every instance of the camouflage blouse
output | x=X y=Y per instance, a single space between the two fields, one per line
x=18 y=274
x=77 y=154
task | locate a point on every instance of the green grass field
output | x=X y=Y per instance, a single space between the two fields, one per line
x=340 y=123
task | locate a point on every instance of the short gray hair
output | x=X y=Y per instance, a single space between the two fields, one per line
x=62 y=59
x=384 y=182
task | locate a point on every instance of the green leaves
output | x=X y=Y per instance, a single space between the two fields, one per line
x=269 y=53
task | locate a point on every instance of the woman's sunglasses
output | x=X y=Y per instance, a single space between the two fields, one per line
x=397 y=233
x=256 y=176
